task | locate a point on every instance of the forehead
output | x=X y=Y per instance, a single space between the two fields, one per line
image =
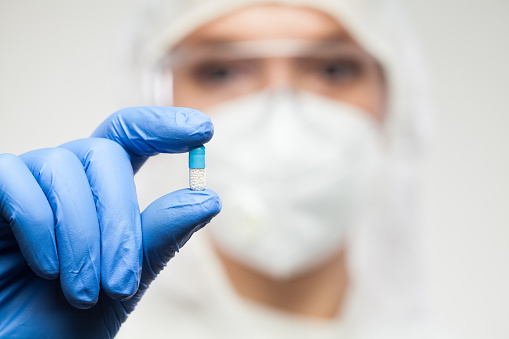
x=270 y=21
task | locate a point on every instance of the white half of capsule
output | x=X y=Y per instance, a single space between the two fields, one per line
x=197 y=179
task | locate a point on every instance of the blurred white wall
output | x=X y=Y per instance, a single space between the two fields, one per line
x=56 y=85
x=466 y=187
x=56 y=79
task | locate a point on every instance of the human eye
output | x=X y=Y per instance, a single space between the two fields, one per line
x=218 y=72
x=338 y=70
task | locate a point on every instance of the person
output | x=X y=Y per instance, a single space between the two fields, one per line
x=319 y=113
x=294 y=88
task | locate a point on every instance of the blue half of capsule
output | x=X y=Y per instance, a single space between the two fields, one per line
x=197 y=157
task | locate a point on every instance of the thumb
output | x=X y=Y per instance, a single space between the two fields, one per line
x=168 y=223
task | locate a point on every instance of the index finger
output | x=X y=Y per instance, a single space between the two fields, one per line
x=148 y=130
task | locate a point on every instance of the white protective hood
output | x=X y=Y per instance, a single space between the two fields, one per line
x=385 y=253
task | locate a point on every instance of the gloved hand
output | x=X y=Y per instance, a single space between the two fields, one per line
x=75 y=254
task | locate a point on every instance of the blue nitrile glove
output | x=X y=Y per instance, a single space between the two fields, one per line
x=75 y=255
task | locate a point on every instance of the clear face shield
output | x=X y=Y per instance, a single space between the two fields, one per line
x=212 y=73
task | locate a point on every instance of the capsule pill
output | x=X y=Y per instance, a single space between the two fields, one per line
x=197 y=177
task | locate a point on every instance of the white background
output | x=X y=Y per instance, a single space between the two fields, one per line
x=56 y=84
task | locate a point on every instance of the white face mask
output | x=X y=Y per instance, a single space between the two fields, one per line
x=292 y=170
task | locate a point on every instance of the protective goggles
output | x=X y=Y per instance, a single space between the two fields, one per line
x=227 y=70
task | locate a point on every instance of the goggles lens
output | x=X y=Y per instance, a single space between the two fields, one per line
x=228 y=70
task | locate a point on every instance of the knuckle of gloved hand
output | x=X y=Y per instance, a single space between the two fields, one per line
x=16 y=214
x=57 y=158
x=6 y=160
x=48 y=163
x=8 y=164
x=100 y=147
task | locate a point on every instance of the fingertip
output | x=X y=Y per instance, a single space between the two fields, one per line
x=82 y=301
x=50 y=273
x=80 y=293
x=214 y=203
x=171 y=220
x=124 y=288
x=45 y=262
x=83 y=305
x=208 y=200
x=199 y=126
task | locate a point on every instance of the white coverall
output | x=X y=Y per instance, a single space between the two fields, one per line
x=193 y=298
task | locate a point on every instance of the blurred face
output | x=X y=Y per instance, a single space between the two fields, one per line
x=270 y=47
